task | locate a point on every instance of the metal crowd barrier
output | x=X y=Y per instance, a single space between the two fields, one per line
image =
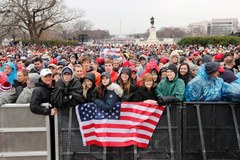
x=211 y=130
x=23 y=135
x=186 y=131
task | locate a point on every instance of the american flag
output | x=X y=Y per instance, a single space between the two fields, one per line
x=128 y=123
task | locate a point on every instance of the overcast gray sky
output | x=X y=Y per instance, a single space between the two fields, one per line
x=133 y=16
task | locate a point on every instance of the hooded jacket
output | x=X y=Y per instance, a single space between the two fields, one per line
x=13 y=74
x=203 y=87
x=66 y=94
x=112 y=97
x=127 y=97
x=91 y=94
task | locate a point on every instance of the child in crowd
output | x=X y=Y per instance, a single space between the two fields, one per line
x=109 y=93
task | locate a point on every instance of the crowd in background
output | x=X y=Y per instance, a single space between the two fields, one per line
x=105 y=74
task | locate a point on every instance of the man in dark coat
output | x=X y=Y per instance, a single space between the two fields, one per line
x=67 y=91
x=42 y=95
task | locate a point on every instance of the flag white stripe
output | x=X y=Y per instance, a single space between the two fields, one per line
x=140 y=116
x=114 y=130
x=141 y=108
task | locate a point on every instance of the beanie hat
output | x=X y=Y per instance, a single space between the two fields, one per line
x=163 y=60
x=127 y=64
x=33 y=78
x=127 y=71
x=67 y=70
x=207 y=58
x=106 y=74
x=228 y=76
x=212 y=67
x=5 y=86
x=173 y=68
x=90 y=76
x=218 y=57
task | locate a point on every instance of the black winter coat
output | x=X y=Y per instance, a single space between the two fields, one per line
x=70 y=95
x=128 y=97
x=92 y=94
x=142 y=94
x=41 y=94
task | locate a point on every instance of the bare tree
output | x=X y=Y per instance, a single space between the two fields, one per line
x=35 y=16
x=171 y=32
x=68 y=30
x=81 y=25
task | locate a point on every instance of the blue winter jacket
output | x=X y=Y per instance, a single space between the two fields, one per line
x=203 y=87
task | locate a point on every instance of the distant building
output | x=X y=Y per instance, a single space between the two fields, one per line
x=222 y=27
x=215 y=27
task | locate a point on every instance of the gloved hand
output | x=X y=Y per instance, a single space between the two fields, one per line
x=160 y=101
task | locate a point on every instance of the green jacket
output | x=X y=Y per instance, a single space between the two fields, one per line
x=174 y=88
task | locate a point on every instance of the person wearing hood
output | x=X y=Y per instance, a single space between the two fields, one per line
x=109 y=93
x=127 y=84
x=171 y=89
x=11 y=71
x=174 y=58
x=206 y=86
x=89 y=89
x=67 y=91
x=185 y=73
x=25 y=95
x=152 y=68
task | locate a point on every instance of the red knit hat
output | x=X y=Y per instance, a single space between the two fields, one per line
x=5 y=86
x=218 y=57
x=127 y=64
x=163 y=60
x=3 y=77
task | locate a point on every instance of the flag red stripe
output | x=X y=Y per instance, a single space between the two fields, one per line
x=139 y=135
x=146 y=113
x=118 y=144
x=118 y=132
x=119 y=126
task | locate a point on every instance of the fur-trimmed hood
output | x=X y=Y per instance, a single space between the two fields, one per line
x=116 y=88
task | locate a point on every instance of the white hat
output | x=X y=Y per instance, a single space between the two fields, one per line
x=52 y=65
x=45 y=72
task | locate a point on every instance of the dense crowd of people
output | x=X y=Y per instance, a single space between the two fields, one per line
x=103 y=74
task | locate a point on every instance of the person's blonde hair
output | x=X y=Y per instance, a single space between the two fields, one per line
x=109 y=61
x=145 y=78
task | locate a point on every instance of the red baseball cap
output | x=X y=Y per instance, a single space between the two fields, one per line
x=220 y=69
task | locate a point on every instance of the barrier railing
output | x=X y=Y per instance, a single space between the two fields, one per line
x=186 y=131
x=23 y=135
